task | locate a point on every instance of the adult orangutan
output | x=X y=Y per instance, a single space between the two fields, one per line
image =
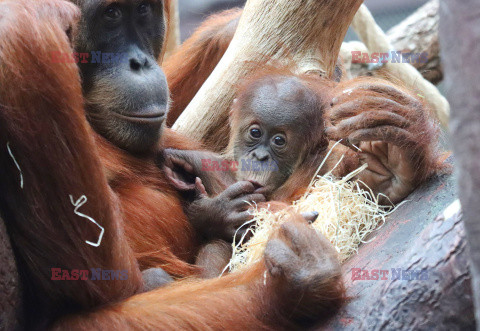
x=76 y=199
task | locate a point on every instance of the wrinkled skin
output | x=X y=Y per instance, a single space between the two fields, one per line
x=272 y=121
x=126 y=98
x=393 y=136
x=220 y=217
x=304 y=261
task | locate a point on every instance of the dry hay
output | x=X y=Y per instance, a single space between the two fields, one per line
x=347 y=214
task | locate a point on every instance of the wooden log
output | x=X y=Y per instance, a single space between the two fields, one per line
x=377 y=42
x=413 y=239
x=173 y=28
x=310 y=32
x=443 y=298
x=460 y=40
x=419 y=34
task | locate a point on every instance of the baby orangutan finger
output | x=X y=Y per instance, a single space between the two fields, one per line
x=200 y=187
x=247 y=201
x=239 y=219
x=238 y=189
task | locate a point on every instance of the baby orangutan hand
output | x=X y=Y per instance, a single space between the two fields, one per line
x=220 y=217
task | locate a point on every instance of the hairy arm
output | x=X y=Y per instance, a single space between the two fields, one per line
x=389 y=129
x=49 y=161
x=43 y=120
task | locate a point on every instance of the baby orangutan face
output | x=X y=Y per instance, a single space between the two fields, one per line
x=272 y=124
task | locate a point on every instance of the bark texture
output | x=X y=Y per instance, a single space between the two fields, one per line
x=460 y=50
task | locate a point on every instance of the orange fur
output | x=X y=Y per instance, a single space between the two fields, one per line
x=43 y=119
x=156 y=226
x=368 y=97
x=423 y=152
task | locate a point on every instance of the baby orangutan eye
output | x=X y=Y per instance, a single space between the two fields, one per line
x=279 y=141
x=255 y=133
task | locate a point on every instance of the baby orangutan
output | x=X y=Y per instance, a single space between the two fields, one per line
x=277 y=130
x=282 y=127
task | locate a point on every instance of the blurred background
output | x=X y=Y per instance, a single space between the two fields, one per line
x=387 y=13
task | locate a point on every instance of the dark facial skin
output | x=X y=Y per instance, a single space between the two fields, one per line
x=126 y=100
x=274 y=122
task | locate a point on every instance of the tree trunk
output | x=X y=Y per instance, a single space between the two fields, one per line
x=413 y=240
x=419 y=34
x=173 y=28
x=460 y=50
x=310 y=32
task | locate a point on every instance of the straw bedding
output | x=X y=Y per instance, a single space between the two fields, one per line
x=347 y=214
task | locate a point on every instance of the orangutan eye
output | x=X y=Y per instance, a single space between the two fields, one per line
x=255 y=133
x=144 y=9
x=112 y=13
x=279 y=140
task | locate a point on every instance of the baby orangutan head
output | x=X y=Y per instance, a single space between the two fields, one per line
x=276 y=124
